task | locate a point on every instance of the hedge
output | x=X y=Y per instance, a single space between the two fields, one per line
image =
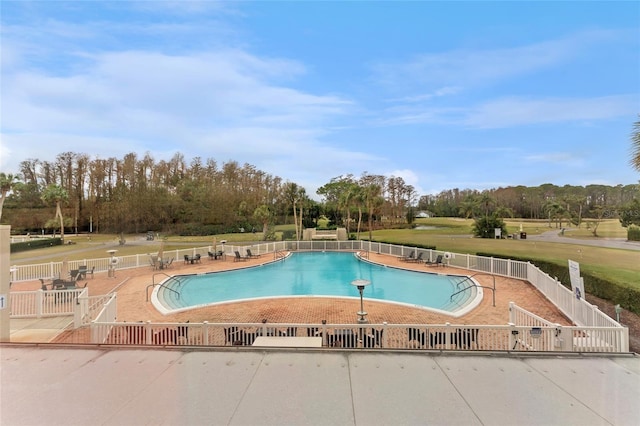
x=633 y=233
x=395 y=243
x=36 y=243
x=628 y=298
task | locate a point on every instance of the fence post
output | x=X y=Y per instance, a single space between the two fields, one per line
x=39 y=302
x=147 y=334
x=385 y=335
x=324 y=332
x=205 y=333
x=512 y=314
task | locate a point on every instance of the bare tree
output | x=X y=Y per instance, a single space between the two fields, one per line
x=56 y=194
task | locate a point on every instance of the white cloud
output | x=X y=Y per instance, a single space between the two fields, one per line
x=483 y=66
x=511 y=112
x=516 y=111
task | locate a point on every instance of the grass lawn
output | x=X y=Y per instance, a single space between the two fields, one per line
x=622 y=266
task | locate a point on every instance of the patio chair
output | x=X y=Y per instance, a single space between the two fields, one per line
x=251 y=255
x=410 y=257
x=82 y=272
x=416 y=335
x=183 y=331
x=186 y=259
x=417 y=259
x=44 y=286
x=73 y=274
x=374 y=339
x=465 y=337
x=437 y=262
x=239 y=257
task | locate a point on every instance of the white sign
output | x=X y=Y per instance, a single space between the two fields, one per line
x=3 y=301
x=577 y=285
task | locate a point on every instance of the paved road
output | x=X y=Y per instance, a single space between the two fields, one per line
x=555 y=237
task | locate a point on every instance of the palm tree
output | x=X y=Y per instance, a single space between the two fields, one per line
x=56 y=194
x=7 y=184
x=295 y=194
x=635 y=146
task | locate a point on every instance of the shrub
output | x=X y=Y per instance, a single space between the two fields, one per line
x=35 y=244
x=288 y=235
x=485 y=226
x=627 y=297
x=633 y=233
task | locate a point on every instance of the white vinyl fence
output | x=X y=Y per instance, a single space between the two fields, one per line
x=588 y=317
x=370 y=336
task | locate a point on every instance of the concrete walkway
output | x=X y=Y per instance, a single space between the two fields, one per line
x=41 y=330
x=102 y=386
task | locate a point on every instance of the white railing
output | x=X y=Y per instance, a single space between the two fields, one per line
x=107 y=315
x=354 y=336
x=39 y=303
x=579 y=311
x=88 y=308
x=522 y=317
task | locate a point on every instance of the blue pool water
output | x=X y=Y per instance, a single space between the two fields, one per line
x=314 y=274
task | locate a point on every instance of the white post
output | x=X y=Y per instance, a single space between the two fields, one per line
x=5 y=325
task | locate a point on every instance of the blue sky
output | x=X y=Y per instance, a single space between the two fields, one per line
x=443 y=94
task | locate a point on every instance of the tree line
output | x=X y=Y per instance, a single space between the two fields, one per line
x=202 y=197
x=136 y=194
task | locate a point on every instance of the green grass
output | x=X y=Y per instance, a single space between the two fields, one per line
x=616 y=265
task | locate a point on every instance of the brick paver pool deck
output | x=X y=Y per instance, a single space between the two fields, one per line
x=131 y=287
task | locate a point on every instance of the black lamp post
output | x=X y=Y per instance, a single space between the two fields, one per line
x=361 y=284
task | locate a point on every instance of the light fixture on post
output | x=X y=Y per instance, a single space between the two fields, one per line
x=360 y=284
x=111 y=271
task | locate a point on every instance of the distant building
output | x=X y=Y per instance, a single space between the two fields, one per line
x=423 y=214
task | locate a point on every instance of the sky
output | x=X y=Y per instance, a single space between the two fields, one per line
x=475 y=95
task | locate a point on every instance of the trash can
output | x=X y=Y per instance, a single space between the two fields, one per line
x=523 y=235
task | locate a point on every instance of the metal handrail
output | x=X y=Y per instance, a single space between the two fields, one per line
x=473 y=284
x=153 y=284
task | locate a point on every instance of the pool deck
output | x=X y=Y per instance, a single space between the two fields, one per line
x=131 y=286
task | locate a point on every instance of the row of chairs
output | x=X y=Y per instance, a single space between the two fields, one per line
x=411 y=257
x=463 y=337
x=345 y=338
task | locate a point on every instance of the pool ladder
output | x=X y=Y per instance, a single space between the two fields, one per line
x=279 y=254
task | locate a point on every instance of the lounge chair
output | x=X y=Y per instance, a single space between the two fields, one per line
x=418 y=258
x=438 y=262
x=410 y=257
x=251 y=255
x=239 y=257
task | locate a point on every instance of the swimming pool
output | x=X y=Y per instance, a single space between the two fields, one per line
x=317 y=274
